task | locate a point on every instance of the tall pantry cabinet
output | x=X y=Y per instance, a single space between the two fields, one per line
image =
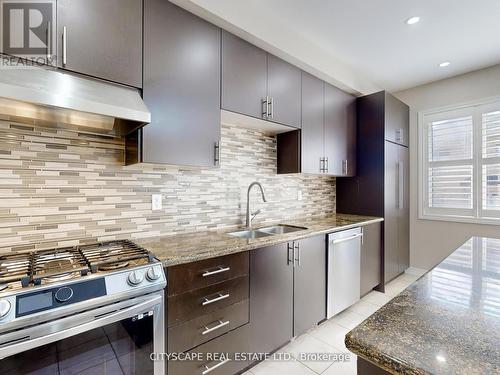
x=381 y=186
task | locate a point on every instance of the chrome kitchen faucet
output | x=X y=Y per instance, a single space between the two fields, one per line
x=251 y=216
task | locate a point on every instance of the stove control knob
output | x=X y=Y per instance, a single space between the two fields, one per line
x=153 y=274
x=64 y=294
x=135 y=278
x=4 y=308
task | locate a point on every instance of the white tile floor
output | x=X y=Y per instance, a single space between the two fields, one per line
x=329 y=338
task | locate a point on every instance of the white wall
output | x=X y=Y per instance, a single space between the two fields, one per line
x=432 y=241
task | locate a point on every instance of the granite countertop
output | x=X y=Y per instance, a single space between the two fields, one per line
x=190 y=247
x=447 y=322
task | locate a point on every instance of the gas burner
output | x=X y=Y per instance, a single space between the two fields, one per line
x=109 y=256
x=109 y=251
x=114 y=266
x=56 y=265
x=60 y=277
x=51 y=266
x=14 y=268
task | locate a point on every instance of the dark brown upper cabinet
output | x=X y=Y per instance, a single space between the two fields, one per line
x=313 y=125
x=181 y=88
x=396 y=121
x=284 y=91
x=102 y=39
x=340 y=132
x=257 y=84
x=244 y=76
x=326 y=143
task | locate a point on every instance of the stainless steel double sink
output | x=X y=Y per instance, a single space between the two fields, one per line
x=266 y=231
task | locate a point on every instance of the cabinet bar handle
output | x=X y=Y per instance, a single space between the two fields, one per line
x=321 y=165
x=210 y=369
x=399 y=135
x=64 y=46
x=215 y=328
x=220 y=269
x=49 y=42
x=289 y=256
x=340 y=240
x=401 y=184
x=326 y=165
x=207 y=301
x=296 y=246
x=344 y=166
x=265 y=107
x=271 y=110
x=216 y=153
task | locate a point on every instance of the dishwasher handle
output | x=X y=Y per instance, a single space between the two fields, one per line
x=340 y=240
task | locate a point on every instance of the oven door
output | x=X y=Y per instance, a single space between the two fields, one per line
x=116 y=339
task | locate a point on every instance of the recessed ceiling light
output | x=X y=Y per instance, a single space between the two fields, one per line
x=412 y=20
x=444 y=64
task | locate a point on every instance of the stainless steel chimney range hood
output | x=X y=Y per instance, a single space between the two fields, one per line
x=59 y=99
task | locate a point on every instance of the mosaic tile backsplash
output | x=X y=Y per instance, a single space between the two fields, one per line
x=61 y=188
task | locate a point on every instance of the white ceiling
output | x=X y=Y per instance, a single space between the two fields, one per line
x=356 y=41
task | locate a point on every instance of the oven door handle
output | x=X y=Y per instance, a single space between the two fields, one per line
x=24 y=340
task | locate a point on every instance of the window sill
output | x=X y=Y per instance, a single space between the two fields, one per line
x=460 y=219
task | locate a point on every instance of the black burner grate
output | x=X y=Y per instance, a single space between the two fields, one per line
x=14 y=268
x=115 y=255
x=54 y=265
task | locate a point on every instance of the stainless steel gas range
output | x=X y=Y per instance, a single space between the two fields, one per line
x=93 y=309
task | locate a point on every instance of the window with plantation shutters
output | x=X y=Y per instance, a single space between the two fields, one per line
x=460 y=164
x=491 y=162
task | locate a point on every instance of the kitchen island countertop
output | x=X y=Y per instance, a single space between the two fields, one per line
x=447 y=322
x=194 y=246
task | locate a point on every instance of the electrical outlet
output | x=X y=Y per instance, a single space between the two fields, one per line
x=299 y=195
x=156 y=203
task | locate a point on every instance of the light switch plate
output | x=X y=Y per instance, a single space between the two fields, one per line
x=156 y=203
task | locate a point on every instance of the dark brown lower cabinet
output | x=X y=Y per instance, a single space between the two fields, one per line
x=371 y=258
x=271 y=298
x=215 y=357
x=193 y=304
x=309 y=297
x=286 y=296
x=199 y=330
x=287 y=291
x=207 y=307
x=367 y=368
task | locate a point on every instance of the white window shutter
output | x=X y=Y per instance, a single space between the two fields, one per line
x=491 y=161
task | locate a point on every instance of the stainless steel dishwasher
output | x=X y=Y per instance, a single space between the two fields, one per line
x=344 y=270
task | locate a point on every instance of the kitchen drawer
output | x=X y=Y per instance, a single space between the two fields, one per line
x=186 y=277
x=197 y=331
x=232 y=342
x=196 y=303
